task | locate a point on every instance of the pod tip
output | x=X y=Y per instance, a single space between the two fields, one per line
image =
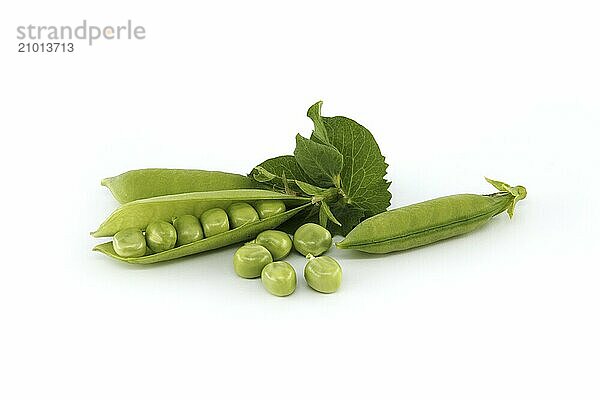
x=521 y=191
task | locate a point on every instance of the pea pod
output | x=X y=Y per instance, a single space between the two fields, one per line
x=431 y=221
x=152 y=182
x=140 y=213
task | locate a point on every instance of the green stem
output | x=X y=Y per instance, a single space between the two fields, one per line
x=329 y=196
x=517 y=193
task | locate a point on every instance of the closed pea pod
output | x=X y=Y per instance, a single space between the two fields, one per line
x=241 y=214
x=188 y=229
x=431 y=221
x=278 y=243
x=152 y=182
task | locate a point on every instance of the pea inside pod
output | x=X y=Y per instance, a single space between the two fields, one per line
x=241 y=214
x=431 y=221
x=214 y=221
x=268 y=208
x=188 y=229
x=161 y=236
x=129 y=243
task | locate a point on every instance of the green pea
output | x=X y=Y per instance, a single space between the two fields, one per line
x=129 y=243
x=241 y=214
x=312 y=239
x=323 y=274
x=188 y=229
x=161 y=236
x=214 y=221
x=250 y=259
x=278 y=243
x=268 y=208
x=279 y=278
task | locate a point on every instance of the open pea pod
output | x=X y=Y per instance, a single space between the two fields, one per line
x=140 y=213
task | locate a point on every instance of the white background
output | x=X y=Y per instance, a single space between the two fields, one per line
x=452 y=91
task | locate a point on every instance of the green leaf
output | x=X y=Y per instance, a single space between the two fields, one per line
x=348 y=215
x=320 y=133
x=310 y=189
x=286 y=185
x=304 y=216
x=501 y=186
x=341 y=166
x=262 y=175
x=362 y=177
x=280 y=173
x=328 y=214
x=322 y=163
x=322 y=217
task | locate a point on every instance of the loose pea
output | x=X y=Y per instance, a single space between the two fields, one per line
x=279 y=278
x=250 y=259
x=129 y=243
x=278 y=243
x=161 y=236
x=241 y=214
x=188 y=229
x=214 y=221
x=268 y=208
x=312 y=239
x=323 y=274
